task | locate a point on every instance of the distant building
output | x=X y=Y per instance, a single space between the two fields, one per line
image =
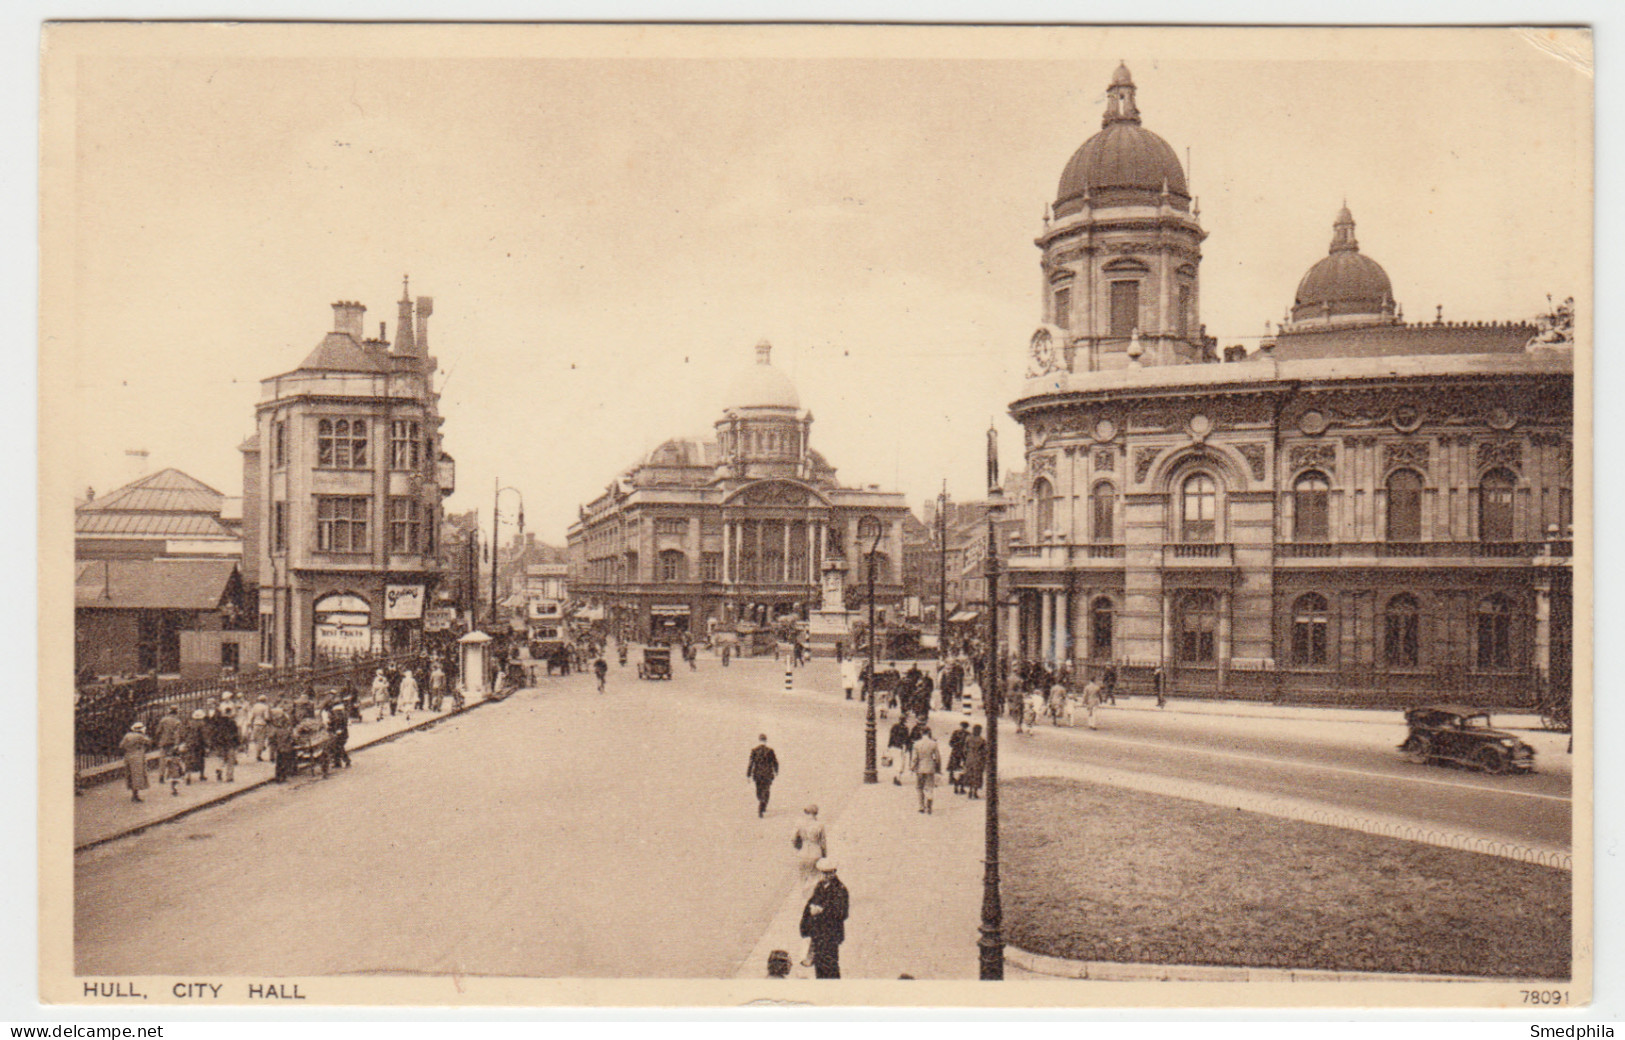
x=157 y=586
x=1363 y=511
x=730 y=531
x=342 y=485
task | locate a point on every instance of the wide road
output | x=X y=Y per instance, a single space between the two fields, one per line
x=567 y=833
x=561 y=833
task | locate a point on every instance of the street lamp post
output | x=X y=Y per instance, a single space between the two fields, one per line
x=942 y=576
x=869 y=531
x=991 y=942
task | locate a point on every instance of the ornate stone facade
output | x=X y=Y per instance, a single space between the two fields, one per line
x=1309 y=522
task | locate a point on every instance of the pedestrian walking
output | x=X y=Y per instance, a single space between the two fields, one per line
x=410 y=693
x=1057 y=701
x=823 y=922
x=727 y=653
x=1108 y=686
x=897 y=743
x=437 y=687
x=135 y=746
x=927 y=765
x=975 y=762
x=956 y=756
x=224 y=738
x=194 y=744
x=1033 y=708
x=1091 y=701
x=171 y=769
x=812 y=842
x=338 y=735
x=600 y=668
x=762 y=768
x=280 y=731
x=257 y=714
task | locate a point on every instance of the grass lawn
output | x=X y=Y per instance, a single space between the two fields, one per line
x=1103 y=874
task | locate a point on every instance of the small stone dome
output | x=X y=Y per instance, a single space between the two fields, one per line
x=1346 y=283
x=763 y=386
x=1123 y=156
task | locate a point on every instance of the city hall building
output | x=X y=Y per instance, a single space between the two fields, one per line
x=1362 y=511
x=741 y=530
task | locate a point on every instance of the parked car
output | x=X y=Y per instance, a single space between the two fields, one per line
x=1456 y=733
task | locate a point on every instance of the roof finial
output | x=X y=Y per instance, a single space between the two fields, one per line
x=406 y=290
x=764 y=353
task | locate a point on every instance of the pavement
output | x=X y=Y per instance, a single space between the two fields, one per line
x=105 y=812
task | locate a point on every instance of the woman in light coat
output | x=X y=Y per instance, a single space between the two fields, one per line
x=135 y=746
x=812 y=842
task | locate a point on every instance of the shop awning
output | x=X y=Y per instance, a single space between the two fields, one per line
x=590 y=614
x=963 y=616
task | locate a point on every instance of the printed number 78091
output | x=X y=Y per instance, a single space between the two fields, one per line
x=1545 y=996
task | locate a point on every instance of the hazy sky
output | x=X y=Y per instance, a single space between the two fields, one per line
x=607 y=237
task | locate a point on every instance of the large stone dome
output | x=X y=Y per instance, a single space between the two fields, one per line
x=1124 y=159
x=1346 y=283
x=763 y=386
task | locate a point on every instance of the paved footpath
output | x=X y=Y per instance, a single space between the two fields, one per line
x=105 y=812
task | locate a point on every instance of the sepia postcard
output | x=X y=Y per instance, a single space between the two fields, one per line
x=815 y=515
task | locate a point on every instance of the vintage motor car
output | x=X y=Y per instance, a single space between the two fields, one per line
x=1460 y=734
x=656 y=663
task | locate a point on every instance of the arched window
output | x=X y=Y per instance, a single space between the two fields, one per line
x=1103 y=512
x=1309 y=628
x=1198 y=506
x=1100 y=628
x=1495 y=632
x=1043 y=509
x=1309 y=509
x=673 y=566
x=1404 y=506
x=1401 y=642
x=1495 y=491
x=1198 y=621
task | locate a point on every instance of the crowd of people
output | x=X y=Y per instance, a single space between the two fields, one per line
x=293 y=727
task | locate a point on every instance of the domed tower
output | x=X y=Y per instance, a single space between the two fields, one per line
x=763 y=432
x=1121 y=250
x=1346 y=287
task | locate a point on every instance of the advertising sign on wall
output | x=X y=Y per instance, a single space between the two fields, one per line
x=439 y=619
x=403 y=602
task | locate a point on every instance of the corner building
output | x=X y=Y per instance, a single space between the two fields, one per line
x=743 y=529
x=1363 y=511
x=342 y=488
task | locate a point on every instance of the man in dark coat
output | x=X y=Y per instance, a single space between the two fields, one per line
x=956 y=756
x=823 y=921
x=763 y=767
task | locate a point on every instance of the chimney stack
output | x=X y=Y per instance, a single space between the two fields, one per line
x=425 y=308
x=347 y=318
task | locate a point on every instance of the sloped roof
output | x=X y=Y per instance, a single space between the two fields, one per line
x=152 y=584
x=167 y=491
x=338 y=352
x=155 y=525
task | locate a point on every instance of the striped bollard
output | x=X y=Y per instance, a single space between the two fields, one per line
x=789 y=685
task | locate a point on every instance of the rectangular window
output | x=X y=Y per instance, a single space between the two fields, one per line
x=1184 y=315
x=711 y=566
x=279 y=527
x=1125 y=309
x=405 y=444
x=230 y=657
x=279 y=444
x=267 y=638
x=1309 y=641
x=671 y=525
x=1309 y=514
x=1063 y=308
x=341 y=444
x=341 y=523
x=405 y=525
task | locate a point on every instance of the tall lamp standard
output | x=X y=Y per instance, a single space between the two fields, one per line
x=991 y=942
x=496 y=516
x=942 y=576
x=869 y=531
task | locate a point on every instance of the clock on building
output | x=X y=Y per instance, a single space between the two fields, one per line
x=1043 y=350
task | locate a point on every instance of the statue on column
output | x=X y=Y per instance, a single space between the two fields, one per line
x=992 y=458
